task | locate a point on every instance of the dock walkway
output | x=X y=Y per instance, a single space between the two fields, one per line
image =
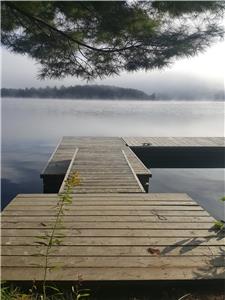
x=105 y=165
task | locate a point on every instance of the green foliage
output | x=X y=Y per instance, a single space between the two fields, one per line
x=91 y=39
x=220 y=225
x=78 y=92
x=183 y=7
x=13 y=293
x=80 y=293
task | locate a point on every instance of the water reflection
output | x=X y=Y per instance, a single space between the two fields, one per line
x=206 y=186
x=21 y=167
x=32 y=127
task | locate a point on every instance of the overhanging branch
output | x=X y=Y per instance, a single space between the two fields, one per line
x=65 y=35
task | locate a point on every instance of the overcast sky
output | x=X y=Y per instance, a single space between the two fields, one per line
x=202 y=73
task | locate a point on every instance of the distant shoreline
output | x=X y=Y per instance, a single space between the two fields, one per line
x=78 y=92
x=117 y=99
x=103 y=93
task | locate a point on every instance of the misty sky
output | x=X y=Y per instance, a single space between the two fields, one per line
x=201 y=74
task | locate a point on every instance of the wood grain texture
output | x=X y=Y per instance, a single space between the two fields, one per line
x=111 y=251
x=115 y=273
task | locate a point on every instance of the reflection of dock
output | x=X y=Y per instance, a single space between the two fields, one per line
x=112 y=230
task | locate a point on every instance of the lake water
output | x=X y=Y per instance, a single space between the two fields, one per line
x=31 y=128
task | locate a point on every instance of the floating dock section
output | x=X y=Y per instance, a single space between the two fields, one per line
x=179 y=152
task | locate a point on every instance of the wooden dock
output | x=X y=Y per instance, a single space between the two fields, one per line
x=111 y=237
x=179 y=152
x=175 y=142
x=105 y=165
x=113 y=230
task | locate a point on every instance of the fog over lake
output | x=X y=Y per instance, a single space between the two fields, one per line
x=31 y=128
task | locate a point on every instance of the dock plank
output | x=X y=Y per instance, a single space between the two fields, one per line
x=113 y=196
x=109 y=262
x=129 y=251
x=111 y=232
x=115 y=273
x=120 y=241
x=102 y=218
x=107 y=224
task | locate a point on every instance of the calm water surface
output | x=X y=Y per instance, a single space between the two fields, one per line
x=31 y=128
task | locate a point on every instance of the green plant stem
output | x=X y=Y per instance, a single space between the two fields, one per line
x=50 y=243
x=48 y=250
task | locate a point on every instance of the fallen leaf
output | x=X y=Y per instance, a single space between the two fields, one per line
x=153 y=251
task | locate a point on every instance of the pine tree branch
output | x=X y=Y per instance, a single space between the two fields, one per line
x=11 y=6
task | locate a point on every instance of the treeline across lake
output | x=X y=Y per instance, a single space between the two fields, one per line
x=79 y=92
